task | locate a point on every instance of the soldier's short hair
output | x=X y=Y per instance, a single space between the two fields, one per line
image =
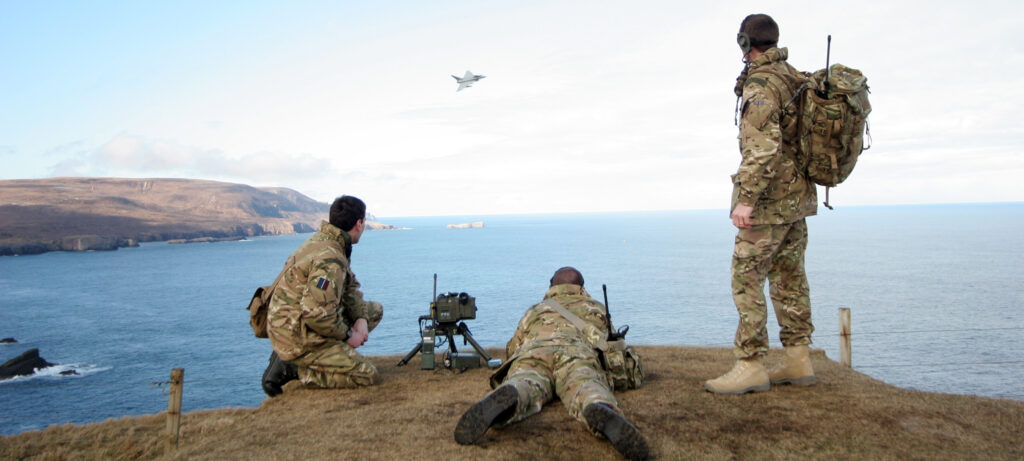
x=762 y=30
x=567 y=275
x=346 y=211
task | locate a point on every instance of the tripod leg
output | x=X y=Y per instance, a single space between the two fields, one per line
x=464 y=331
x=451 y=340
x=410 y=355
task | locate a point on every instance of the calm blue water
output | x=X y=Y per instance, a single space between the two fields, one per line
x=935 y=293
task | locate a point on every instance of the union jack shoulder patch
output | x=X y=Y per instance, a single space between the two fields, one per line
x=323 y=283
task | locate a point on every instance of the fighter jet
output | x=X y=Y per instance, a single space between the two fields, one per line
x=467 y=80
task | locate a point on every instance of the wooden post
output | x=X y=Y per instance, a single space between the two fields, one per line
x=174 y=409
x=845 y=354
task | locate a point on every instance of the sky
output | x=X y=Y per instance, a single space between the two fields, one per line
x=587 y=106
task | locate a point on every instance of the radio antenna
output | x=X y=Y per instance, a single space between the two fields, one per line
x=608 y=313
x=828 y=56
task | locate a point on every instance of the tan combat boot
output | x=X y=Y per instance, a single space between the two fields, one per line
x=796 y=369
x=748 y=375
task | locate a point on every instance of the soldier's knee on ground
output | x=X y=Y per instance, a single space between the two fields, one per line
x=362 y=374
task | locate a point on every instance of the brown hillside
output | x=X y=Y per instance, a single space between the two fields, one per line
x=40 y=215
x=411 y=413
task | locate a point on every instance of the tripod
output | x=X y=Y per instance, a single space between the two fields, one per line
x=453 y=359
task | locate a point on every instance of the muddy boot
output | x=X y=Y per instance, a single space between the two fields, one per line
x=496 y=408
x=748 y=375
x=277 y=374
x=623 y=435
x=795 y=370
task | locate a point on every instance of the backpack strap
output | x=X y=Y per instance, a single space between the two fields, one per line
x=577 y=322
x=786 y=79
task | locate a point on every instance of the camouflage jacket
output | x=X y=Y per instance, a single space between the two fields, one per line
x=318 y=298
x=541 y=325
x=769 y=178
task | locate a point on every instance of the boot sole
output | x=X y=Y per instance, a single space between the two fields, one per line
x=623 y=435
x=475 y=421
x=801 y=381
x=757 y=388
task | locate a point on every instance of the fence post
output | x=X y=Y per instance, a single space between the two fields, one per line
x=174 y=409
x=845 y=354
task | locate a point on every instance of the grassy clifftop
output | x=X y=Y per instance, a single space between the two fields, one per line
x=77 y=214
x=411 y=413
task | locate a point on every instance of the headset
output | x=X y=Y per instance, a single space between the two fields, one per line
x=746 y=42
x=743 y=40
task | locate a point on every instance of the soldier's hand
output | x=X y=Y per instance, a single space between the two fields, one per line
x=358 y=334
x=741 y=216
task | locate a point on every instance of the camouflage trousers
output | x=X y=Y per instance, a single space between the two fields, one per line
x=774 y=252
x=337 y=365
x=571 y=372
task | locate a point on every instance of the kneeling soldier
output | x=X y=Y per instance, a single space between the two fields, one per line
x=317 y=316
x=547 y=357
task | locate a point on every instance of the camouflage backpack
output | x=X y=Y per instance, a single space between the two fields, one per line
x=834 y=121
x=832 y=108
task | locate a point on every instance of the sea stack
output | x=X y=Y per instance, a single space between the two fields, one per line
x=25 y=364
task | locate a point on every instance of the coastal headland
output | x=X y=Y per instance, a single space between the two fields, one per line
x=87 y=214
x=410 y=414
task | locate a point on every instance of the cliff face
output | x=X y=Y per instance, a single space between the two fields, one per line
x=81 y=214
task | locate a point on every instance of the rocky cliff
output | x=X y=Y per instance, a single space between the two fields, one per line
x=81 y=214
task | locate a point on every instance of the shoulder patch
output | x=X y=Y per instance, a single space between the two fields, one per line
x=323 y=283
x=758 y=111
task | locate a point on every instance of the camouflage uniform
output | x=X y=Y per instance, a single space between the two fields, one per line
x=550 y=357
x=771 y=181
x=314 y=305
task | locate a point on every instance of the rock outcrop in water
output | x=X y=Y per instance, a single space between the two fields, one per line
x=467 y=225
x=24 y=364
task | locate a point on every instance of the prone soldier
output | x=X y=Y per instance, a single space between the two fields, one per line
x=549 y=357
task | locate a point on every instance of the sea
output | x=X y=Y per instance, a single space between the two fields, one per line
x=935 y=294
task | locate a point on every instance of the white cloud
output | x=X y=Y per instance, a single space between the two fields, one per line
x=134 y=155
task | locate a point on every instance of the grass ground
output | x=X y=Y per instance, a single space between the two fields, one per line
x=411 y=413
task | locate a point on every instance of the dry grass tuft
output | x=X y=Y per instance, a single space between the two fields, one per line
x=411 y=414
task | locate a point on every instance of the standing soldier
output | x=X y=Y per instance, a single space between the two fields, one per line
x=771 y=198
x=317 y=316
x=548 y=356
